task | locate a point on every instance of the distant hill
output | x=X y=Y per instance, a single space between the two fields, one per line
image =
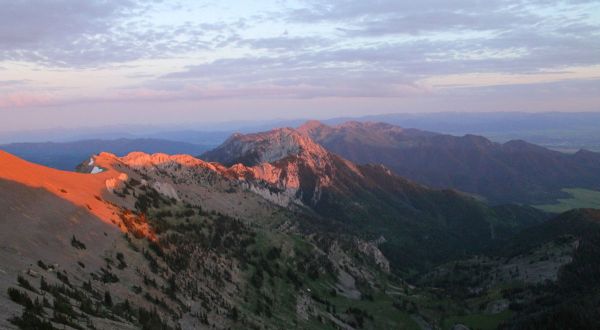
x=563 y=131
x=515 y=171
x=67 y=155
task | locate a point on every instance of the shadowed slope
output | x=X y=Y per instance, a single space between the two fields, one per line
x=36 y=224
x=515 y=171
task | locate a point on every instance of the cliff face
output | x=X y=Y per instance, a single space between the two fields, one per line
x=265 y=147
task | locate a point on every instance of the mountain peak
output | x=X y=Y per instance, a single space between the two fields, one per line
x=265 y=147
x=285 y=158
x=311 y=125
x=315 y=129
x=141 y=159
x=369 y=125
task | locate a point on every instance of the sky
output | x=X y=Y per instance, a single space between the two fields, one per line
x=73 y=63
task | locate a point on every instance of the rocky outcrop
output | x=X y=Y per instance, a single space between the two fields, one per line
x=372 y=251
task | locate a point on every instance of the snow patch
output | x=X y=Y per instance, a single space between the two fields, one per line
x=91 y=162
x=96 y=170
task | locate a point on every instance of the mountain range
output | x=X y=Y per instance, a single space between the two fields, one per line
x=279 y=229
x=555 y=130
x=512 y=172
x=67 y=155
x=339 y=189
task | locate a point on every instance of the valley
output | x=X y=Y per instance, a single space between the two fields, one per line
x=299 y=165
x=271 y=230
x=579 y=198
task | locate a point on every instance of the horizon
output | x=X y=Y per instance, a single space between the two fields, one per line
x=205 y=125
x=494 y=125
x=74 y=64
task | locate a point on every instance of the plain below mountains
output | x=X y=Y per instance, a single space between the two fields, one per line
x=515 y=171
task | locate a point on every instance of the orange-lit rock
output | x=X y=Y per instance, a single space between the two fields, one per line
x=89 y=191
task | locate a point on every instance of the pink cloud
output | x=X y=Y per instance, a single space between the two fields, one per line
x=26 y=99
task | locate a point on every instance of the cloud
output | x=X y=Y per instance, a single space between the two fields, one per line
x=575 y=95
x=12 y=83
x=25 y=99
x=434 y=35
x=435 y=21
x=388 y=17
x=73 y=33
x=28 y=22
x=318 y=49
x=315 y=11
x=384 y=44
x=568 y=95
x=51 y=31
x=285 y=43
x=303 y=76
x=472 y=36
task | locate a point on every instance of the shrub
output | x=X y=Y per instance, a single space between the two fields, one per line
x=122 y=264
x=42 y=265
x=107 y=299
x=20 y=297
x=29 y=321
x=77 y=244
x=25 y=284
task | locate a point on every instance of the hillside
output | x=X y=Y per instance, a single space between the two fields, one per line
x=157 y=241
x=573 y=300
x=419 y=225
x=306 y=239
x=544 y=278
x=515 y=171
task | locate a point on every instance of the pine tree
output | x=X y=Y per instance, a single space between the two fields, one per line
x=107 y=299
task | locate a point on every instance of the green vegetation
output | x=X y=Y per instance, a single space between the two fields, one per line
x=279 y=271
x=478 y=321
x=77 y=244
x=580 y=198
x=65 y=304
x=316 y=277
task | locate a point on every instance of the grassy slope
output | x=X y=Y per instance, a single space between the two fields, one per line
x=478 y=321
x=580 y=198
